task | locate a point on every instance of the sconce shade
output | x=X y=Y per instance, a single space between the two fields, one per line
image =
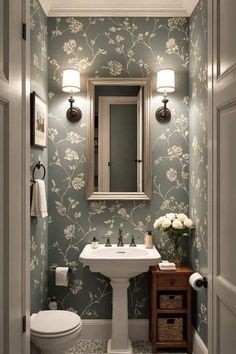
x=165 y=81
x=71 y=80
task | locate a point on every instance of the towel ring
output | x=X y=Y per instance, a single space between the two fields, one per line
x=38 y=165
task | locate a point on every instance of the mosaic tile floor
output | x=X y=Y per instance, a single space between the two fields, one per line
x=99 y=347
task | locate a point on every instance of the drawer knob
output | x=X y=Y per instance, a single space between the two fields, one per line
x=172 y=281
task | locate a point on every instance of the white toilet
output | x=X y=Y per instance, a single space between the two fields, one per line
x=55 y=331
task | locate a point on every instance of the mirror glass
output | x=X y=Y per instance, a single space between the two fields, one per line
x=118 y=127
x=118 y=147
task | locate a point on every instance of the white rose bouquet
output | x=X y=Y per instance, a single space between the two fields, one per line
x=175 y=226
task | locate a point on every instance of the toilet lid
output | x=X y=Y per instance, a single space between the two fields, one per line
x=54 y=321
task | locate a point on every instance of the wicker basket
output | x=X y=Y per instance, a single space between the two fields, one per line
x=170 y=329
x=171 y=302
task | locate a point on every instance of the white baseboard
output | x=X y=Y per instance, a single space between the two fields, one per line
x=101 y=329
x=198 y=345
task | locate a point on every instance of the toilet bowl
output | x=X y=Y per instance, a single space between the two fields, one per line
x=54 y=331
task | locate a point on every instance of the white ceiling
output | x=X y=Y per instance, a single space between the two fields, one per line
x=152 y=8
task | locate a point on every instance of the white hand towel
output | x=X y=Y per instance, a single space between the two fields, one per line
x=166 y=268
x=39 y=203
x=167 y=264
x=62 y=276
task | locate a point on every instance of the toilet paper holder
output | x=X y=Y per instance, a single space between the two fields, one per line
x=54 y=268
x=202 y=282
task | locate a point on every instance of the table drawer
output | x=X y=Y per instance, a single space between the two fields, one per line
x=168 y=281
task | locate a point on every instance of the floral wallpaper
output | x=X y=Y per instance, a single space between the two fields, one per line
x=39 y=226
x=118 y=47
x=198 y=153
x=112 y=47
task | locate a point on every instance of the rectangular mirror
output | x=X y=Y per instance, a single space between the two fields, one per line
x=119 y=152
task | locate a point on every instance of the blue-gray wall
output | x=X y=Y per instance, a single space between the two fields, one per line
x=112 y=47
x=198 y=155
x=126 y=47
x=39 y=226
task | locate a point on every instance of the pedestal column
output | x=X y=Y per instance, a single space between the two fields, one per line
x=119 y=342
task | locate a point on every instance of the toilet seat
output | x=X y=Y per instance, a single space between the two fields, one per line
x=52 y=323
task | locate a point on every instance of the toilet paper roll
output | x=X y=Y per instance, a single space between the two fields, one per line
x=62 y=276
x=195 y=280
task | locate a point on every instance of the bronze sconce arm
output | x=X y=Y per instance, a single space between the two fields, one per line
x=73 y=113
x=163 y=114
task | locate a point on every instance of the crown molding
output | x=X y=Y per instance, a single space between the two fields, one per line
x=46 y=5
x=105 y=8
x=190 y=6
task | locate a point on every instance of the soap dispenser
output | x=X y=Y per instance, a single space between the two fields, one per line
x=94 y=243
x=148 y=239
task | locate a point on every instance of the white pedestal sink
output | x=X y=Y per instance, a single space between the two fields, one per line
x=119 y=264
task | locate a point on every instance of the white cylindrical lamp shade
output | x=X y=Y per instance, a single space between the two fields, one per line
x=166 y=81
x=71 y=80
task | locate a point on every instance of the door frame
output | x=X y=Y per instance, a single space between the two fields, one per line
x=15 y=93
x=104 y=136
x=26 y=175
x=211 y=190
x=17 y=187
x=216 y=81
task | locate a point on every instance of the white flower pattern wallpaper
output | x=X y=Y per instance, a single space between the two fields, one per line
x=114 y=47
x=39 y=226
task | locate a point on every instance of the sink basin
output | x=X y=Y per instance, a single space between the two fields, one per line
x=119 y=252
x=119 y=264
x=119 y=261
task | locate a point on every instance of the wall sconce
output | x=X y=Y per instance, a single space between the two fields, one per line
x=165 y=85
x=71 y=84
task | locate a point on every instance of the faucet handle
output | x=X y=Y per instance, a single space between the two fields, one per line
x=120 y=239
x=108 y=242
x=132 y=243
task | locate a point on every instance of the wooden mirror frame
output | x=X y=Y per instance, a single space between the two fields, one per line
x=91 y=194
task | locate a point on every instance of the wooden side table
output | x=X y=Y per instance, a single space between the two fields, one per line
x=171 y=312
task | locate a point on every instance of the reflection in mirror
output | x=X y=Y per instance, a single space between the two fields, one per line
x=118 y=144
x=118 y=114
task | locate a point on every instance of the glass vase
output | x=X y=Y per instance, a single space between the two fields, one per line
x=176 y=253
x=176 y=256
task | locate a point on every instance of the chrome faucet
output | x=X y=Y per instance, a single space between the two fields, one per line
x=120 y=239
